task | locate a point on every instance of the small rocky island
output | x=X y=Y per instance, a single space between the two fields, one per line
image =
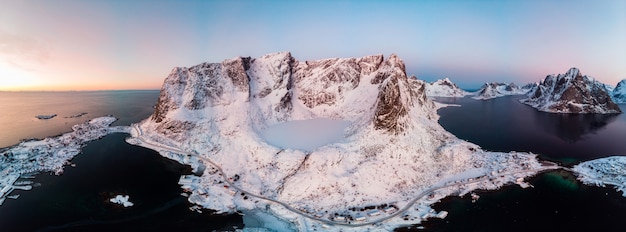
x=571 y=93
x=45 y=116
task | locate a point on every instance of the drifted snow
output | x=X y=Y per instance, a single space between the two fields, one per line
x=305 y=134
x=604 y=171
x=393 y=149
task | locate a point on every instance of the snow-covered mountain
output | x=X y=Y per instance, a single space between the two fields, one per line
x=571 y=93
x=392 y=150
x=619 y=92
x=495 y=89
x=444 y=88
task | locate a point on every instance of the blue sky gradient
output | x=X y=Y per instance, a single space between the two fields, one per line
x=134 y=44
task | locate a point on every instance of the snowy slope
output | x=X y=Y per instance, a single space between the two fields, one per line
x=444 y=88
x=604 y=171
x=393 y=148
x=619 y=92
x=571 y=93
x=495 y=89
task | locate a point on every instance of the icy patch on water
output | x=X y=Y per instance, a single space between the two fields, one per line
x=305 y=134
x=257 y=220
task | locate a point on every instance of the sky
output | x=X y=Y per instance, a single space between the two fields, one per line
x=119 y=44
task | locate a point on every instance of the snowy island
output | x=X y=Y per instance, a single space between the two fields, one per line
x=604 y=171
x=392 y=161
x=571 y=93
x=121 y=200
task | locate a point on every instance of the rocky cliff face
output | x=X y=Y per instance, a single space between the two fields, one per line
x=619 y=93
x=571 y=93
x=278 y=82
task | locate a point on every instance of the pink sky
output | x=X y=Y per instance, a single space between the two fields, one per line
x=87 y=45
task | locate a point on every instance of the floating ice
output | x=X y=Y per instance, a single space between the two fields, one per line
x=122 y=200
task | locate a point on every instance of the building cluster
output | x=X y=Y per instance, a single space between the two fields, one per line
x=49 y=154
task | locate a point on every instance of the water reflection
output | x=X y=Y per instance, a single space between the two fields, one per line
x=505 y=124
x=570 y=127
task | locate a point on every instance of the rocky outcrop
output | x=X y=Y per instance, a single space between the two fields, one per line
x=571 y=93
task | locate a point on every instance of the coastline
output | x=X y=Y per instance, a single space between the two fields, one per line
x=409 y=212
x=461 y=185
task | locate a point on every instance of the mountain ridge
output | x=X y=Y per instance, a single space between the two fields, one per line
x=571 y=93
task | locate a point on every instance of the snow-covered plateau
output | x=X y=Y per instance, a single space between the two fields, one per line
x=604 y=171
x=571 y=93
x=444 y=88
x=495 y=89
x=393 y=161
x=50 y=154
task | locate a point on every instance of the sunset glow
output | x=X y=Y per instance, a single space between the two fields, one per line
x=81 y=45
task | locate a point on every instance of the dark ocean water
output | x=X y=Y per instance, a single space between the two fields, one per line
x=557 y=202
x=505 y=124
x=77 y=199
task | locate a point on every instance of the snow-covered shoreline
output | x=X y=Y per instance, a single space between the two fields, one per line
x=50 y=154
x=215 y=190
x=392 y=156
x=494 y=171
x=603 y=171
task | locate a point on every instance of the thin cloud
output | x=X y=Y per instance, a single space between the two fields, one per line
x=22 y=52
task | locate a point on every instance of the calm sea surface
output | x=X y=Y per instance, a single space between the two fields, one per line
x=18 y=111
x=504 y=124
x=558 y=202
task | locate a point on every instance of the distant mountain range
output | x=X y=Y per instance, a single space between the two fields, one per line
x=564 y=93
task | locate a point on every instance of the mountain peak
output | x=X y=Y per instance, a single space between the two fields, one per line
x=444 y=88
x=279 y=82
x=571 y=93
x=573 y=72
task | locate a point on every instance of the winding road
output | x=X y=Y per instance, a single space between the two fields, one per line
x=322 y=220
